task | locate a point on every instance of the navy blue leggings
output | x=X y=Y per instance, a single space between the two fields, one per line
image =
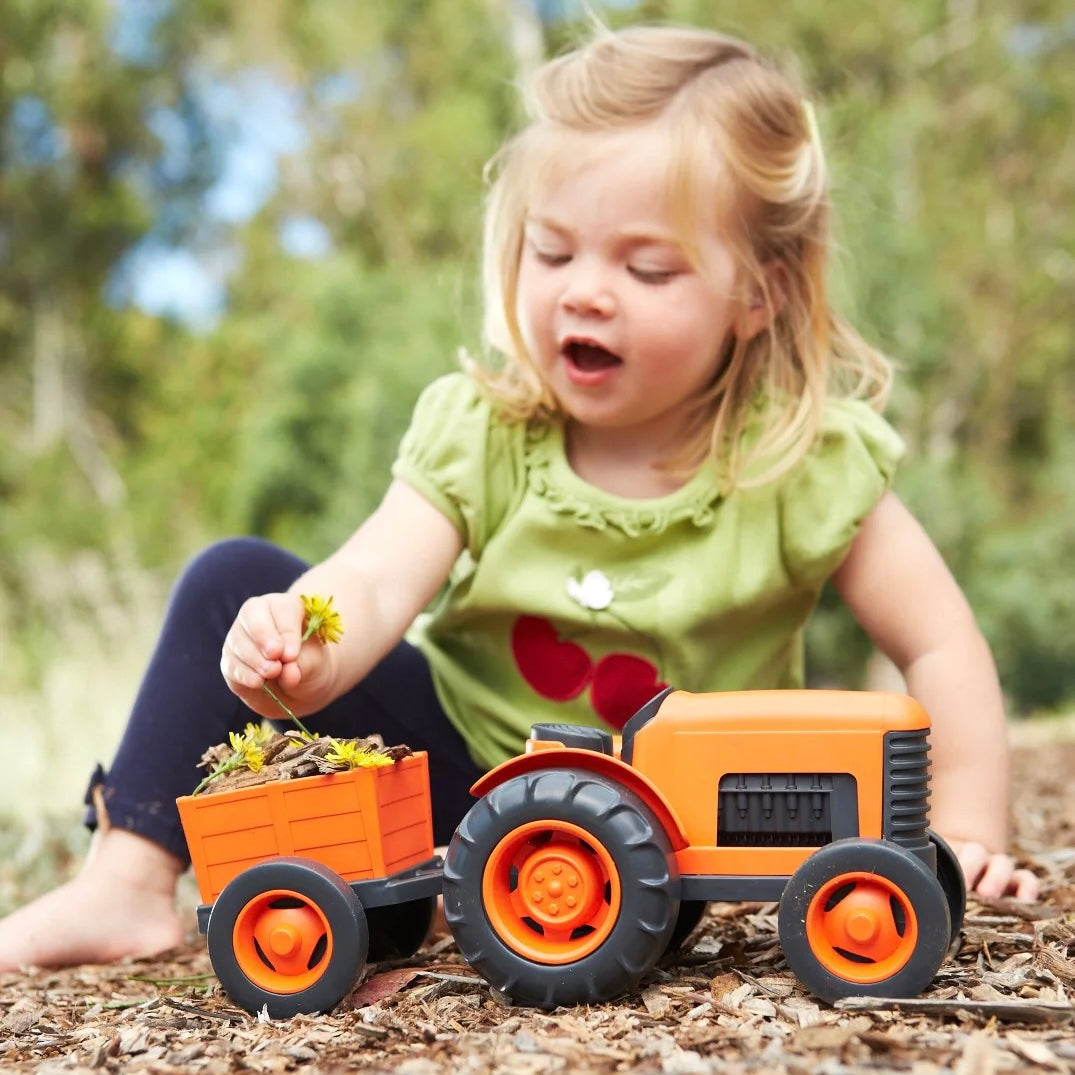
x=183 y=705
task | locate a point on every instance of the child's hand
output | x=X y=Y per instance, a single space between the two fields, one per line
x=264 y=645
x=994 y=875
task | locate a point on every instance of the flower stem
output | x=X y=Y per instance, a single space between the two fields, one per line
x=220 y=770
x=302 y=727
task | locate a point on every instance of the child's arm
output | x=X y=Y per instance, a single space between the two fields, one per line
x=379 y=580
x=896 y=584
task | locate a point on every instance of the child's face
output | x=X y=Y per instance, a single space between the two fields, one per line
x=623 y=327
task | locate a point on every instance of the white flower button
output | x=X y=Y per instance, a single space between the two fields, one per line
x=593 y=592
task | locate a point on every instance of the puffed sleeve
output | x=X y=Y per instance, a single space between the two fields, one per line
x=826 y=497
x=461 y=458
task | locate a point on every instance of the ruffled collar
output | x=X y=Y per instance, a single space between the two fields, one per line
x=550 y=476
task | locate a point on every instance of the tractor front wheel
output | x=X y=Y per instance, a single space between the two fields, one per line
x=864 y=918
x=950 y=875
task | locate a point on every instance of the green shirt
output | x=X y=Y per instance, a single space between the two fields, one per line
x=572 y=604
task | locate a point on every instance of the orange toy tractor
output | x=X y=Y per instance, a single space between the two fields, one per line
x=586 y=859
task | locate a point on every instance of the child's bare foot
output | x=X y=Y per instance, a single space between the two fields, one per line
x=122 y=903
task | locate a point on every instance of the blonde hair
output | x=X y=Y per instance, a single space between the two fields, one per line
x=717 y=94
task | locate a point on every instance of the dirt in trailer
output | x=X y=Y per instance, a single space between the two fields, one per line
x=1004 y=1001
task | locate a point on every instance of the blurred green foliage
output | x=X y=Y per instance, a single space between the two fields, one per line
x=948 y=125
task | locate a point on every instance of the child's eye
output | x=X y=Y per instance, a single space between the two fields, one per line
x=550 y=257
x=652 y=276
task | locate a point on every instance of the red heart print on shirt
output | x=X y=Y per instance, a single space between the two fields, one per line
x=556 y=669
x=622 y=684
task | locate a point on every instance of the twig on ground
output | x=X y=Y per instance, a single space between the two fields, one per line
x=1017 y=1011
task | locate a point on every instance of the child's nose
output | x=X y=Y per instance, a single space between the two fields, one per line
x=588 y=290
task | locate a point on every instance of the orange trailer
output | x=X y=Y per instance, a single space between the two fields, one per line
x=302 y=881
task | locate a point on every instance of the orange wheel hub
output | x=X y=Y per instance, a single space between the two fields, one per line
x=551 y=892
x=862 y=927
x=282 y=941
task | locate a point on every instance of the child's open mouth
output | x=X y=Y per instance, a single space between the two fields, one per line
x=590 y=358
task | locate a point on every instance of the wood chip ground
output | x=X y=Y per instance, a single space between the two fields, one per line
x=1002 y=1003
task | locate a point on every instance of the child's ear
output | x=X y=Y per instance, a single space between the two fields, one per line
x=764 y=298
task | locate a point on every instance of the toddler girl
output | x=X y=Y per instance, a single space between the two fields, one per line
x=675 y=446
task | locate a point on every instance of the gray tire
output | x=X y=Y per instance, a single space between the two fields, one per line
x=560 y=888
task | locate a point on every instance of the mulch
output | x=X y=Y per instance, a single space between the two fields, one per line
x=289 y=756
x=1004 y=1001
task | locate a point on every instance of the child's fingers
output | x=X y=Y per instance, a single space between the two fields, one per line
x=292 y=674
x=1025 y=885
x=308 y=669
x=242 y=663
x=973 y=859
x=994 y=875
x=273 y=623
x=287 y=616
x=264 y=636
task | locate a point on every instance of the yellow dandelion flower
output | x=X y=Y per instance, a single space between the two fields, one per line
x=321 y=619
x=247 y=752
x=356 y=757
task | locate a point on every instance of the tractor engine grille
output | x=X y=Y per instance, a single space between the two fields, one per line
x=785 y=809
x=906 y=816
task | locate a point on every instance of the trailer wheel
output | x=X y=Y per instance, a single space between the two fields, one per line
x=864 y=918
x=288 y=935
x=560 y=888
x=397 y=930
x=950 y=875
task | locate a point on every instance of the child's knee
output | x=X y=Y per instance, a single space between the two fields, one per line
x=220 y=564
x=226 y=573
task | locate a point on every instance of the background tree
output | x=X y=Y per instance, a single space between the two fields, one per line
x=337 y=277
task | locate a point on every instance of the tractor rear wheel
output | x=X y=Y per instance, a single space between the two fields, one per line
x=560 y=888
